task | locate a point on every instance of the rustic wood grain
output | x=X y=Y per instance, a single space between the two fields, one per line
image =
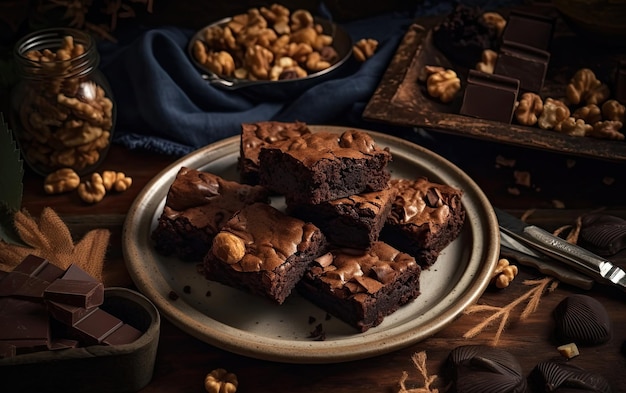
x=183 y=361
x=401 y=99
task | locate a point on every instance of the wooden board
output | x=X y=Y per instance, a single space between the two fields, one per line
x=401 y=99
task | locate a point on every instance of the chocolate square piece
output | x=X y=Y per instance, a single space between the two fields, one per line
x=490 y=96
x=39 y=267
x=529 y=29
x=86 y=294
x=23 y=320
x=126 y=334
x=96 y=326
x=525 y=63
x=67 y=314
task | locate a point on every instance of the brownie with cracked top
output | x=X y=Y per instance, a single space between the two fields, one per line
x=198 y=204
x=353 y=221
x=425 y=217
x=362 y=288
x=323 y=166
x=254 y=136
x=263 y=251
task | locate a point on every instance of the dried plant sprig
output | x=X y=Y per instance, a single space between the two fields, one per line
x=419 y=361
x=503 y=313
x=76 y=12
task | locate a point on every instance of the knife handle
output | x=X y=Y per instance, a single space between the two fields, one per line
x=551 y=268
x=575 y=256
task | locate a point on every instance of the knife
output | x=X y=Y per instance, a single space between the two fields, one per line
x=578 y=258
x=511 y=248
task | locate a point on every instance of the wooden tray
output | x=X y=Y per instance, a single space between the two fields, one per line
x=401 y=99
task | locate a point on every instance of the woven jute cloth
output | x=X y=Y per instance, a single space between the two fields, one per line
x=49 y=237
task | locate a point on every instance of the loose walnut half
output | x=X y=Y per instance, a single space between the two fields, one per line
x=61 y=180
x=92 y=190
x=529 y=109
x=364 y=49
x=443 y=85
x=554 y=112
x=504 y=273
x=613 y=110
x=487 y=62
x=220 y=381
x=584 y=87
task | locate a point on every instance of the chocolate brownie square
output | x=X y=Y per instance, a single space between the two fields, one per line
x=323 y=166
x=363 y=288
x=197 y=205
x=425 y=217
x=354 y=221
x=254 y=136
x=263 y=251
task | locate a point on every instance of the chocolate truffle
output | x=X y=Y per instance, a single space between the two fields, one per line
x=484 y=369
x=562 y=376
x=603 y=234
x=583 y=320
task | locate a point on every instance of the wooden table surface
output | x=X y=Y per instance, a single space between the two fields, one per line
x=561 y=189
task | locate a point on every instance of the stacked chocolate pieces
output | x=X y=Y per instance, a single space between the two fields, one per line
x=44 y=307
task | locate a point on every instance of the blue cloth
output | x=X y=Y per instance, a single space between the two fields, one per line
x=164 y=105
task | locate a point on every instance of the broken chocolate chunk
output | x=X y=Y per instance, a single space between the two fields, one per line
x=490 y=96
x=529 y=29
x=86 y=294
x=583 y=320
x=480 y=368
x=602 y=234
x=556 y=376
x=525 y=63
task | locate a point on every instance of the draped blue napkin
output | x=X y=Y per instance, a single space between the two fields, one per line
x=164 y=105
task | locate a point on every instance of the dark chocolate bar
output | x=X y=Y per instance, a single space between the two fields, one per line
x=39 y=267
x=525 y=63
x=96 y=326
x=126 y=334
x=74 y=272
x=490 y=96
x=30 y=278
x=23 y=320
x=67 y=314
x=86 y=294
x=529 y=29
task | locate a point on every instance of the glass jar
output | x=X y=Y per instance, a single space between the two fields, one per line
x=62 y=109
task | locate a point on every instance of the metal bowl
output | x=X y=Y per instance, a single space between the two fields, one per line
x=281 y=89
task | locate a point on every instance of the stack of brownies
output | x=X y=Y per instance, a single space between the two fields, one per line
x=350 y=239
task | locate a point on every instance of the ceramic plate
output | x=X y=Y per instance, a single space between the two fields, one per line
x=252 y=326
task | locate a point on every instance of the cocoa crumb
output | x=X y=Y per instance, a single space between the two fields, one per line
x=173 y=295
x=187 y=289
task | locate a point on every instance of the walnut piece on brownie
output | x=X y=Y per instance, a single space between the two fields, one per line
x=362 y=287
x=197 y=205
x=425 y=217
x=354 y=221
x=263 y=251
x=323 y=166
x=254 y=136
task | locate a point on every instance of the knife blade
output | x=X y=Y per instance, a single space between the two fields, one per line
x=511 y=248
x=578 y=258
